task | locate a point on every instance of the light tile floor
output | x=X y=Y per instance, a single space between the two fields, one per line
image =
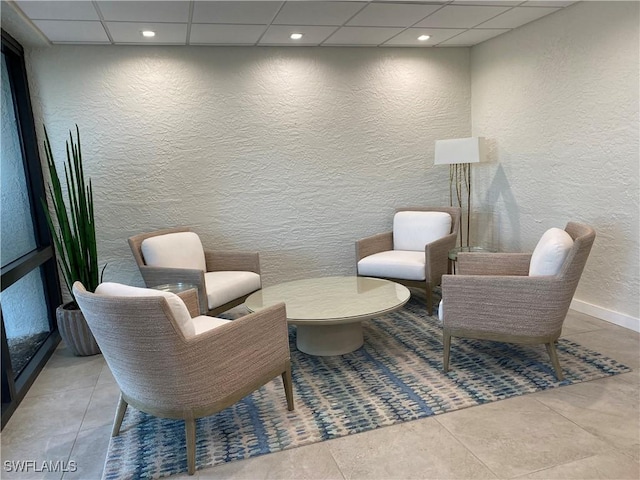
x=584 y=431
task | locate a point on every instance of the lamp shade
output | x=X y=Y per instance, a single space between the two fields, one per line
x=460 y=150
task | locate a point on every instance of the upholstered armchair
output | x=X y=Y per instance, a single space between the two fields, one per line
x=176 y=255
x=171 y=365
x=416 y=252
x=516 y=297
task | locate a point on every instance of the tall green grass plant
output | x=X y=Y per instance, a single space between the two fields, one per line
x=71 y=218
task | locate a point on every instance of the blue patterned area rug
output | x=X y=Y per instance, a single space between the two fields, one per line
x=395 y=377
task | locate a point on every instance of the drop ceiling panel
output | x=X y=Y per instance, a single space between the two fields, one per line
x=472 y=37
x=248 y=13
x=72 y=31
x=548 y=3
x=143 y=11
x=409 y=38
x=391 y=15
x=411 y=1
x=341 y=22
x=518 y=16
x=498 y=3
x=279 y=35
x=208 y=34
x=317 y=13
x=130 y=33
x=459 y=16
x=362 y=36
x=59 y=10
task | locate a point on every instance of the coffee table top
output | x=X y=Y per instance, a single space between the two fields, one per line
x=332 y=300
x=175 y=287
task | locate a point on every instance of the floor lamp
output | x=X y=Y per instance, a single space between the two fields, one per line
x=459 y=154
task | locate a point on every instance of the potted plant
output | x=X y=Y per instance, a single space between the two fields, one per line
x=74 y=236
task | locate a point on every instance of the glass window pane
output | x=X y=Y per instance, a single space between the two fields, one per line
x=16 y=225
x=26 y=322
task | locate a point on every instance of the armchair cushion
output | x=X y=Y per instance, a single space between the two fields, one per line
x=225 y=286
x=204 y=323
x=412 y=230
x=394 y=264
x=550 y=253
x=174 y=250
x=177 y=306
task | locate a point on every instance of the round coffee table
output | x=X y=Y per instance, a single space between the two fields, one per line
x=328 y=311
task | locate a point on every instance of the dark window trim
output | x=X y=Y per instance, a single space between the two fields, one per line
x=17 y=269
x=28 y=139
x=43 y=257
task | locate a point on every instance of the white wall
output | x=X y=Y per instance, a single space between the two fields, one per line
x=558 y=101
x=292 y=152
x=297 y=152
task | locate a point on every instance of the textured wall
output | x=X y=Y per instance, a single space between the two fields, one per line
x=558 y=100
x=292 y=152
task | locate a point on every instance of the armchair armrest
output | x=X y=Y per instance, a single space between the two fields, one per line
x=191 y=300
x=249 y=348
x=509 y=305
x=218 y=260
x=160 y=275
x=437 y=257
x=480 y=263
x=374 y=244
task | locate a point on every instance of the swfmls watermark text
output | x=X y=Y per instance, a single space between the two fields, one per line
x=24 y=466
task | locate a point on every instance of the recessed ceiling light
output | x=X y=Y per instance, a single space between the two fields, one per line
x=424 y=38
x=295 y=36
x=148 y=33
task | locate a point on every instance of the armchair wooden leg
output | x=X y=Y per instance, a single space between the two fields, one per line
x=190 y=432
x=120 y=411
x=553 y=355
x=288 y=386
x=446 y=337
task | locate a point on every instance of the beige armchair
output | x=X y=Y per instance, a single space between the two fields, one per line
x=514 y=297
x=224 y=279
x=416 y=252
x=171 y=365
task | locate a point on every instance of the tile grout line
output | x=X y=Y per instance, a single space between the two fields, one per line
x=596 y=436
x=75 y=440
x=435 y=417
x=611 y=446
x=344 y=477
x=553 y=466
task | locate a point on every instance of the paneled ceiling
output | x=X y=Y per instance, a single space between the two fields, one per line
x=321 y=23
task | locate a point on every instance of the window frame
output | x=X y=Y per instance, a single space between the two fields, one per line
x=43 y=257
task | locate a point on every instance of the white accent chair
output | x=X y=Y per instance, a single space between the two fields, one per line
x=171 y=365
x=416 y=252
x=176 y=255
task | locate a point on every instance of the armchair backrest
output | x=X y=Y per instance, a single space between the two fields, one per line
x=143 y=345
x=550 y=253
x=583 y=237
x=414 y=227
x=135 y=242
x=174 y=250
x=566 y=281
x=178 y=308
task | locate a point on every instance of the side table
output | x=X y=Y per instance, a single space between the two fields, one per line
x=187 y=292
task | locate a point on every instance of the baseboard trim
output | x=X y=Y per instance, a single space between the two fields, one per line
x=617 y=318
